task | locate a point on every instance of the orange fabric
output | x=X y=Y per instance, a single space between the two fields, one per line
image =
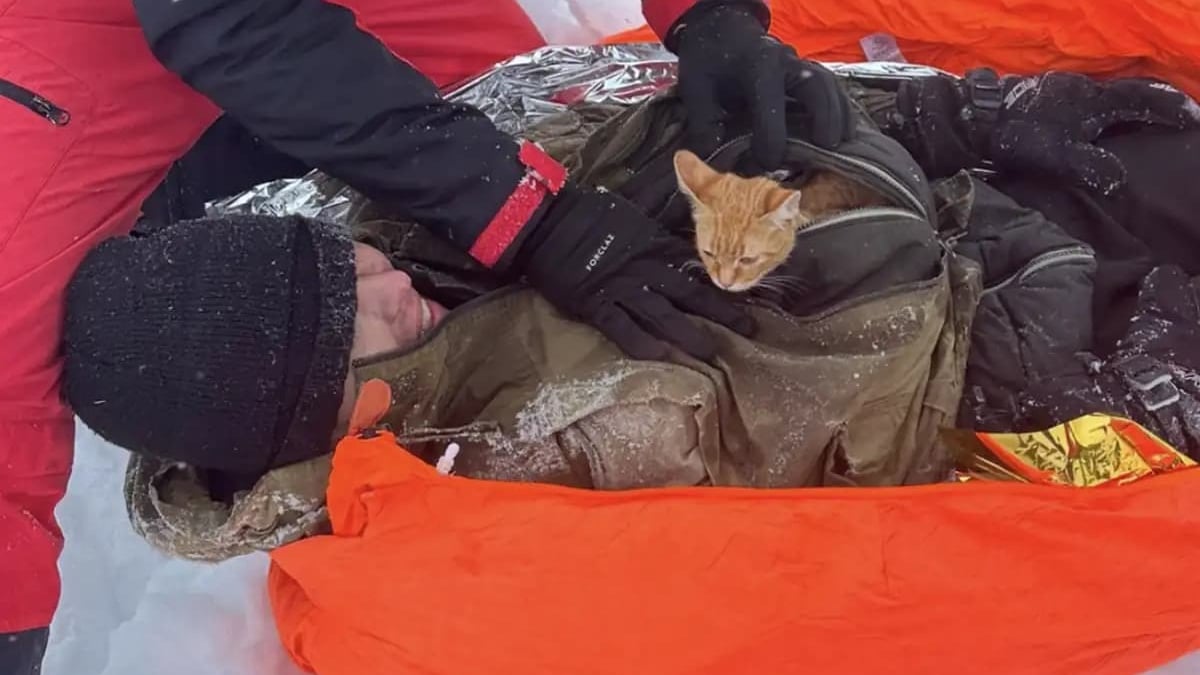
x=434 y=574
x=374 y=400
x=1155 y=38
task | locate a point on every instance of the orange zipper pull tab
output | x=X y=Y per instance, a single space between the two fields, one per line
x=374 y=400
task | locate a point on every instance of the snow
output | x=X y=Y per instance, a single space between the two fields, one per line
x=582 y=21
x=129 y=610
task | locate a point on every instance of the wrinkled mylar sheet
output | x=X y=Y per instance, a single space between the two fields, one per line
x=1088 y=451
x=518 y=93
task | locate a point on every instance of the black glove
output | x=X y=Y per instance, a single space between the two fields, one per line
x=729 y=66
x=1045 y=124
x=596 y=257
x=1050 y=122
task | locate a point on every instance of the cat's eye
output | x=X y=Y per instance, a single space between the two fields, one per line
x=749 y=259
x=706 y=254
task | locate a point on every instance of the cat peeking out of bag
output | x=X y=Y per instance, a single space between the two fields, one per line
x=746 y=227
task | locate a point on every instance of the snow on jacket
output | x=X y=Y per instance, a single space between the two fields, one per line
x=1037 y=359
x=1088 y=304
x=869 y=357
x=90 y=121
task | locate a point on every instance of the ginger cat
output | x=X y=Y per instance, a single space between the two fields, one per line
x=746 y=227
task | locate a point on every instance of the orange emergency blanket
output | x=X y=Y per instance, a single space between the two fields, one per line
x=433 y=574
x=1154 y=38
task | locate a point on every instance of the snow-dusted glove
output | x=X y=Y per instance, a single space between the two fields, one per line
x=1050 y=122
x=596 y=257
x=729 y=66
x=1046 y=123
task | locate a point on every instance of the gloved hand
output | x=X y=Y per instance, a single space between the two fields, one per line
x=1045 y=123
x=1051 y=122
x=598 y=258
x=729 y=66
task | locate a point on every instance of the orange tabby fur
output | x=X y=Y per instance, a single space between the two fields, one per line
x=746 y=227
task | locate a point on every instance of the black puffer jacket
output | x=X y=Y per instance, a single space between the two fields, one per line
x=1033 y=361
x=1035 y=313
x=1154 y=375
x=1089 y=305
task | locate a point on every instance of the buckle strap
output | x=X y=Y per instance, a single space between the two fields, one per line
x=1149 y=381
x=985 y=94
x=983 y=98
x=543 y=177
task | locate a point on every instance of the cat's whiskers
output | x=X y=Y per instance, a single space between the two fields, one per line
x=784 y=284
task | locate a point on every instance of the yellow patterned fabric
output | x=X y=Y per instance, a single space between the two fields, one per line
x=1088 y=451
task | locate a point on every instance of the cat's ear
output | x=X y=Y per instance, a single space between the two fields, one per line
x=693 y=174
x=785 y=208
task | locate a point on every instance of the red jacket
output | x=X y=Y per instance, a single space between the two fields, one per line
x=89 y=124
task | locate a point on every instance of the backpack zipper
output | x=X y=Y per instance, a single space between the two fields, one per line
x=879 y=173
x=1040 y=262
x=913 y=200
x=861 y=213
x=43 y=107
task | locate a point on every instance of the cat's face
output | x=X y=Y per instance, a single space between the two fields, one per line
x=745 y=227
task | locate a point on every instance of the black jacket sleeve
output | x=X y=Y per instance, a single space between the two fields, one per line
x=303 y=76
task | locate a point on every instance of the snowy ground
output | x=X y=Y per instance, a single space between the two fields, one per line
x=127 y=610
x=582 y=21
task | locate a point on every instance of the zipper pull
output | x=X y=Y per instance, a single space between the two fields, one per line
x=445 y=463
x=57 y=116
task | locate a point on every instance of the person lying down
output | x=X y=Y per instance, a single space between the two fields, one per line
x=225 y=346
x=225 y=353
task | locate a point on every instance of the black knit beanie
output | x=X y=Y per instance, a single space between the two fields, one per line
x=221 y=343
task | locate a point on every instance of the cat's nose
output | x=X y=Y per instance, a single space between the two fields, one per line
x=724 y=279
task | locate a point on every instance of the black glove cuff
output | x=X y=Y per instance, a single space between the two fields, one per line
x=580 y=235
x=512 y=261
x=716 y=12
x=555 y=209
